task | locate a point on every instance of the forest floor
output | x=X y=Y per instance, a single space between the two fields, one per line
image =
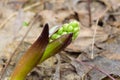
x=94 y=55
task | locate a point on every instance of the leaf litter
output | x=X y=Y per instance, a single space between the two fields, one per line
x=106 y=46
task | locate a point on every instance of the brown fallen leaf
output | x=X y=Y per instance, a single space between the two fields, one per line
x=111 y=56
x=85 y=39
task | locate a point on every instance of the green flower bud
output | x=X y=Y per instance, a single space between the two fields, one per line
x=75 y=35
x=64 y=33
x=65 y=27
x=76 y=29
x=74 y=24
x=60 y=31
x=70 y=28
x=55 y=36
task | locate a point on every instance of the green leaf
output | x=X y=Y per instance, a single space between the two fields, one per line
x=56 y=46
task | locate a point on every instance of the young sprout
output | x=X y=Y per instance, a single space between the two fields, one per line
x=55 y=44
x=25 y=23
x=45 y=47
x=32 y=56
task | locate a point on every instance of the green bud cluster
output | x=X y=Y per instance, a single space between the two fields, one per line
x=72 y=27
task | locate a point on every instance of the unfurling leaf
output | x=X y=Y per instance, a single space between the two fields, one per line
x=61 y=37
x=31 y=58
x=56 y=46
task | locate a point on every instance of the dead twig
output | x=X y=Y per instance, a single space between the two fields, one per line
x=89 y=11
x=108 y=6
x=95 y=67
x=95 y=32
x=57 y=72
x=90 y=66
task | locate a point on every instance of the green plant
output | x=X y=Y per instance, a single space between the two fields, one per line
x=43 y=49
x=54 y=47
x=25 y=24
